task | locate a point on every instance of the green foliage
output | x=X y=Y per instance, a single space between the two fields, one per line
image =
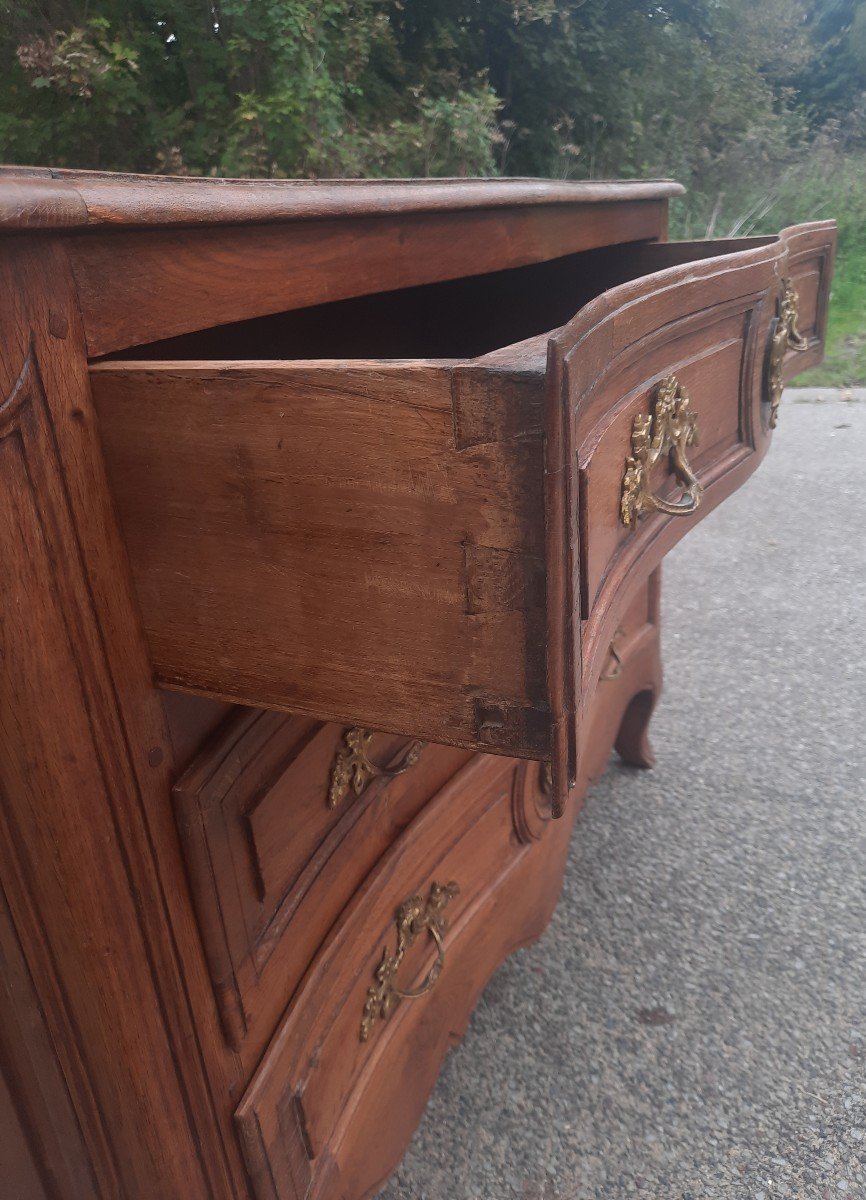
x=705 y=90
x=832 y=183
x=834 y=80
x=238 y=87
x=758 y=108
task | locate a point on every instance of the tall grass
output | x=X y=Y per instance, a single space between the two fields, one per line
x=828 y=183
x=834 y=185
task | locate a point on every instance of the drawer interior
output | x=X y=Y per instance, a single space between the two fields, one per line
x=461 y=318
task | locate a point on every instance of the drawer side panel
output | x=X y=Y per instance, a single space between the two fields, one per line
x=313 y=538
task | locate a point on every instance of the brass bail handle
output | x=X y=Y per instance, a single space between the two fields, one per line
x=431 y=976
x=668 y=430
x=415 y=917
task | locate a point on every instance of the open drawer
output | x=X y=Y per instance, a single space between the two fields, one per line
x=427 y=539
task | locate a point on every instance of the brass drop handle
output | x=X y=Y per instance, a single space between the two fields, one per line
x=353 y=769
x=414 y=917
x=785 y=336
x=669 y=429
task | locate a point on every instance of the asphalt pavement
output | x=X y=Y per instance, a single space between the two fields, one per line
x=692 y=1026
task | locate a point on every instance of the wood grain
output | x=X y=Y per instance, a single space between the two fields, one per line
x=266 y=505
x=136 y=286
x=326 y=1115
x=248 y=490
x=51 y=198
x=366 y=457
x=82 y=754
x=317 y=1068
x=42 y=1152
x=707 y=320
x=272 y=864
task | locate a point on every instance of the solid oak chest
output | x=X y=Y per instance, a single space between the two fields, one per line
x=332 y=520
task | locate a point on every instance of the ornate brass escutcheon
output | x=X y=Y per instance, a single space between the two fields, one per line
x=413 y=918
x=784 y=336
x=668 y=430
x=353 y=769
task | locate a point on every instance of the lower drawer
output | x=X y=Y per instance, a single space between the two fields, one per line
x=281 y=819
x=395 y=982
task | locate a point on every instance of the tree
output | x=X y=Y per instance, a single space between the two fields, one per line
x=703 y=90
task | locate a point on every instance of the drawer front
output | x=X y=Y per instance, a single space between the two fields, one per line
x=811 y=251
x=281 y=819
x=694 y=379
x=347 y=1027
x=658 y=403
x=704 y=367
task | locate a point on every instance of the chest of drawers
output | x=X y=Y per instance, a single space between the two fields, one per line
x=333 y=517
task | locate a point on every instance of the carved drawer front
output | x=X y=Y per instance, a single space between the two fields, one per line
x=810 y=270
x=424 y=544
x=281 y=819
x=666 y=405
x=669 y=415
x=348 y=1072
x=682 y=397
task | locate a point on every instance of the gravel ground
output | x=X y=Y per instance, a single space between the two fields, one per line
x=693 y=1024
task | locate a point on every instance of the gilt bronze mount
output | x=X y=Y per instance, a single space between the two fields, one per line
x=785 y=336
x=414 y=917
x=668 y=430
x=353 y=769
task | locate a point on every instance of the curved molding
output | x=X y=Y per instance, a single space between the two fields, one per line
x=531 y=808
x=34 y=198
x=19 y=395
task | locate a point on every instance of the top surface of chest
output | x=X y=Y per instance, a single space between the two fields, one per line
x=158 y=257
